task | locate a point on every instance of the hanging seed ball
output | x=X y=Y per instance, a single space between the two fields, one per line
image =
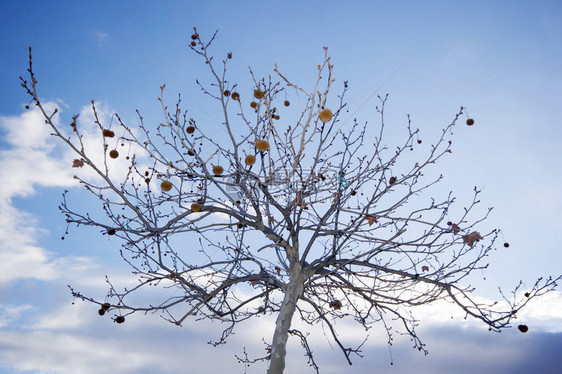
x=527 y=294
x=111 y=232
x=250 y=160
x=194 y=36
x=353 y=192
x=506 y=245
x=113 y=153
x=276 y=117
x=253 y=104
x=392 y=180
x=193 y=44
x=106 y=306
x=419 y=141
x=147 y=180
x=217 y=170
x=190 y=129
x=470 y=122
x=235 y=96
x=195 y=207
x=325 y=115
x=229 y=55
x=27 y=107
x=523 y=328
x=226 y=93
x=108 y=133
x=449 y=223
x=191 y=152
x=119 y=319
x=286 y=103
x=101 y=312
x=166 y=186
x=258 y=94
x=262 y=145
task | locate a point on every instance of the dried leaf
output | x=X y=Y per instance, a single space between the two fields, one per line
x=77 y=163
x=471 y=238
x=371 y=220
x=254 y=278
x=278 y=270
x=336 y=304
x=425 y=268
x=455 y=228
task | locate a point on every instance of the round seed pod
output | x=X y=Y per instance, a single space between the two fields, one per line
x=392 y=180
x=119 y=319
x=101 y=312
x=253 y=104
x=470 y=122
x=111 y=232
x=506 y=245
x=217 y=170
x=286 y=103
x=262 y=145
x=190 y=129
x=113 y=153
x=235 y=96
x=325 y=115
x=166 y=186
x=194 y=36
x=195 y=207
x=191 y=152
x=523 y=328
x=226 y=93
x=250 y=160
x=258 y=94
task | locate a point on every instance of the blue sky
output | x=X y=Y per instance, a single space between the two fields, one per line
x=501 y=60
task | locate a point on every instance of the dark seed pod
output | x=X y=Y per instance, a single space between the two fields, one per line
x=119 y=319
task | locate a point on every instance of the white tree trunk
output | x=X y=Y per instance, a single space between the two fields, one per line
x=279 y=345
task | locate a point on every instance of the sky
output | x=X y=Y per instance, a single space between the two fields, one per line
x=500 y=60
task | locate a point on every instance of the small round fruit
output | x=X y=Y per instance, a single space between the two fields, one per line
x=250 y=160
x=523 y=328
x=258 y=94
x=111 y=232
x=166 y=186
x=108 y=133
x=193 y=44
x=235 y=96
x=392 y=180
x=106 y=306
x=419 y=141
x=101 y=312
x=190 y=129
x=449 y=223
x=226 y=93
x=253 y=104
x=195 y=207
x=527 y=294
x=262 y=145
x=325 y=115
x=506 y=245
x=147 y=180
x=217 y=170
x=191 y=152
x=119 y=319
x=286 y=103
x=470 y=122
x=113 y=153
x=194 y=36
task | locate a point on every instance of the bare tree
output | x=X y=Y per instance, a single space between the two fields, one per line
x=287 y=217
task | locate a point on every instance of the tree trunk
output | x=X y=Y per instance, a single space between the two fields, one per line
x=279 y=345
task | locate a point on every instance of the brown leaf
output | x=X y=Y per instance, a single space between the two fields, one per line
x=455 y=228
x=425 y=268
x=254 y=278
x=371 y=220
x=336 y=304
x=471 y=238
x=77 y=163
x=278 y=270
